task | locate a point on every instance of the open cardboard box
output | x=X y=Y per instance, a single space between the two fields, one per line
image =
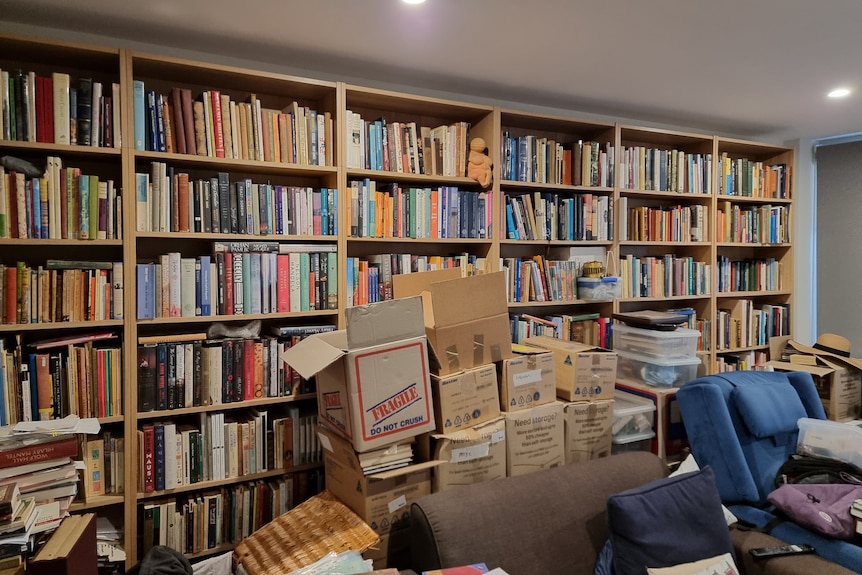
x=466 y=319
x=373 y=382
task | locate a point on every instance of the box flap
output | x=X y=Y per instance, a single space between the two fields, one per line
x=384 y=322
x=554 y=343
x=777 y=345
x=819 y=371
x=450 y=299
x=405 y=470
x=315 y=352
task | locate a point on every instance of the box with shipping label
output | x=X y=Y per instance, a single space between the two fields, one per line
x=583 y=372
x=588 y=429
x=373 y=382
x=838 y=385
x=670 y=440
x=473 y=455
x=535 y=439
x=466 y=319
x=381 y=499
x=464 y=399
x=527 y=381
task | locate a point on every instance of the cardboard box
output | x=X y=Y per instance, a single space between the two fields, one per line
x=583 y=372
x=373 y=383
x=535 y=439
x=466 y=319
x=588 y=429
x=381 y=499
x=465 y=399
x=839 y=386
x=670 y=441
x=527 y=381
x=472 y=455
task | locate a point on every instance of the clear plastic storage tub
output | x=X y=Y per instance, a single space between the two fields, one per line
x=655 y=371
x=633 y=415
x=824 y=438
x=638 y=442
x=599 y=288
x=680 y=343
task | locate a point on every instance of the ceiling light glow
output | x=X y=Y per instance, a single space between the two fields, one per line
x=413 y=1
x=839 y=93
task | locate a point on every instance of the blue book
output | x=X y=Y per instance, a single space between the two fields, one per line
x=34 y=388
x=36 y=203
x=205 y=283
x=152 y=119
x=140 y=115
x=324 y=211
x=334 y=211
x=146 y=291
x=350 y=281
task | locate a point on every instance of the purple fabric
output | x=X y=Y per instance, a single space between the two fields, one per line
x=822 y=507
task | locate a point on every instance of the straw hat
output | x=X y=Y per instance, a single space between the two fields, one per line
x=829 y=344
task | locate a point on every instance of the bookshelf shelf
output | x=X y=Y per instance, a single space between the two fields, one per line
x=251 y=403
x=96 y=503
x=599 y=191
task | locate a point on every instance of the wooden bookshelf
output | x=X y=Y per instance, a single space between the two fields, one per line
x=344 y=158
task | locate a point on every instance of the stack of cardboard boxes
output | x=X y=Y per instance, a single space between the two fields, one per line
x=434 y=370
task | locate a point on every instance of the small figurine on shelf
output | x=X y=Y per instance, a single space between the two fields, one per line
x=479 y=164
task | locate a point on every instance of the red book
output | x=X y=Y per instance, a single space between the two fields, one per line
x=248 y=369
x=10 y=314
x=218 y=127
x=13 y=452
x=149 y=458
x=179 y=130
x=283 y=292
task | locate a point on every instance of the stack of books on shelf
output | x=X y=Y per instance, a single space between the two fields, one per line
x=406 y=147
x=240 y=278
x=59 y=109
x=543 y=160
x=61 y=203
x=591 y=328
x=169 y=200
x=749 y=324
x=653 y=169
x=665 y=223
x=766 y=224
x=78 y=374
x=547 y=216
x=664 y=276
x=212 y=124
x=754 y=179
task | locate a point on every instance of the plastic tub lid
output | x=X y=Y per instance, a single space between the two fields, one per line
x=663 y=361
x=632 y=438
x=622 y=328
x=631 y=405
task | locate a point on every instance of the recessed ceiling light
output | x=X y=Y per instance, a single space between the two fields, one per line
x=413 y=1
x=839 y=93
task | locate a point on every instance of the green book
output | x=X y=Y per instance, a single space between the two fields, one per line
x=84 y=194
x=304 y=272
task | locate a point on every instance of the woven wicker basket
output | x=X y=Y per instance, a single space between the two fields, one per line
x=304 y=535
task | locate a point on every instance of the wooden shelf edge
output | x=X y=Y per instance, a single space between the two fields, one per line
x=162 y=413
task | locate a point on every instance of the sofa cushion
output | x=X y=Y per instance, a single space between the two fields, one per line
x=667 y=522
x=768 y=410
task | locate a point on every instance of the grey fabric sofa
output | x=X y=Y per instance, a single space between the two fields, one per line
x=554 y=522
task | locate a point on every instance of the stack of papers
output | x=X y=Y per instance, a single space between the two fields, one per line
x=386 y=458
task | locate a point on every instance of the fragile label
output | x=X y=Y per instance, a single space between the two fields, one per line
x=527 y=378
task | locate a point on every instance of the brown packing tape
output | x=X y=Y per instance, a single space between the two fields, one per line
x=452 y=358
x=478 y=348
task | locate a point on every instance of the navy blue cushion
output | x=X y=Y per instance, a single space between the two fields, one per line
x=770 y=409
x=667 y=522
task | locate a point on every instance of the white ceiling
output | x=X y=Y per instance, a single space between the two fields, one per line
x=750 y=68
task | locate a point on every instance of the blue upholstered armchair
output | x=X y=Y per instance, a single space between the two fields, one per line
x=744 y=425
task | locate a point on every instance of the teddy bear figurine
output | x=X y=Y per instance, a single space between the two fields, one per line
x=479 y=164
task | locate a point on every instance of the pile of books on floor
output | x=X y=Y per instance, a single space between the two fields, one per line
x=856 y=512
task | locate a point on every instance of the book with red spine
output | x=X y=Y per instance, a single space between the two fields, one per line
x=15 y=450
x=218 y=127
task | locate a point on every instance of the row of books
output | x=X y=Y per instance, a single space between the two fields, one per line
x=658 y=170
x=58 y=109
x=541 y=279
x=742 y=361
x=233 y=282
x=76 y=375
x=406 y=147
x=543 y=160
x=105 y=465
x=760 y=274
x=753 y=179
x=295 y=439
x=666 y=223
x=589 y=328
x=369 y=279
x=544 y=216
x=745 y=325
x=61 y=290
x=197 y=522
x=215 y=125
x=63 y=203
x=175 y=454
x=198 y=371
x=764 y=224
x=664 y=276
x=388 y=210
x=171 y=201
